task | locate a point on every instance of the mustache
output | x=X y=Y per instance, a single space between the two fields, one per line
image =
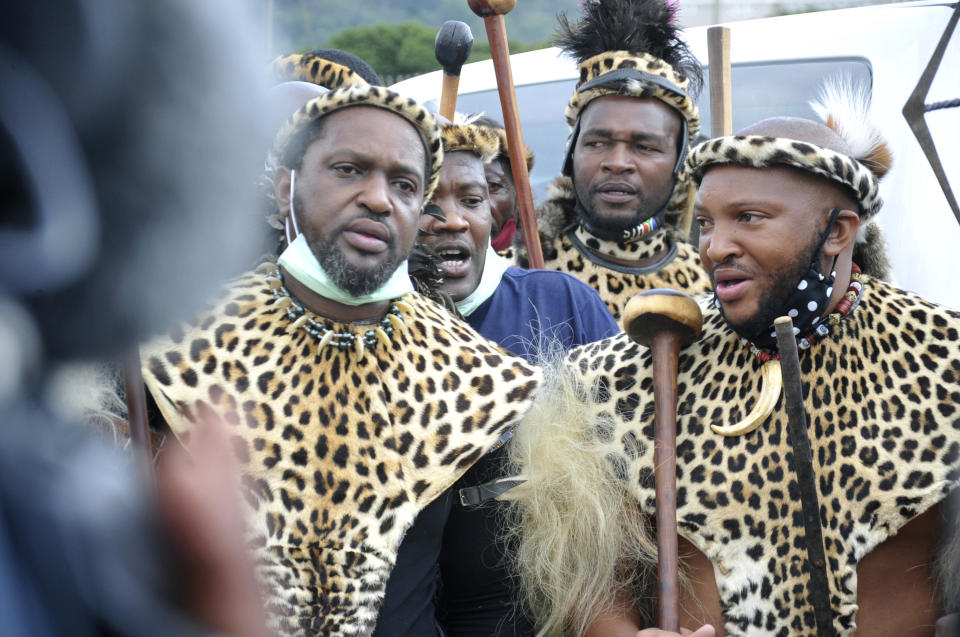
x=731 y=264
x=380 y=219
x=430 y=239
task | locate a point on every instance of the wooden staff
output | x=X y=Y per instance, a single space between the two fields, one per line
x=452 y=48
x=137 y=411
x=665 y=321
x=492 y=12
x=721 y=94
x=718 y=57
x=818 y=586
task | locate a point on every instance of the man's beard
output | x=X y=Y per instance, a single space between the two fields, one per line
x=348 y=277
x=772 y=301
x=602 y=225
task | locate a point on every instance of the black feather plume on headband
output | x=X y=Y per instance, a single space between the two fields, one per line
x=637 y=26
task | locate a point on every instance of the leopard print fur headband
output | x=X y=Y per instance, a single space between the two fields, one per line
x=759 y=151
x=366 y=95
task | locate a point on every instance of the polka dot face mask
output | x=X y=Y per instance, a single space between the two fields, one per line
x=809 y=300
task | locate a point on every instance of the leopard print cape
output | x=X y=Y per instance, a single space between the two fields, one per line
x=882 y=398
x=339 y=450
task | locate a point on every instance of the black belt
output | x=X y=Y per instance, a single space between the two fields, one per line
x=482 y=493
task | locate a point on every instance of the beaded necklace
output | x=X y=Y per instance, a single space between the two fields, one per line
x=849 y=302
x=303 y=318
x=641 y=230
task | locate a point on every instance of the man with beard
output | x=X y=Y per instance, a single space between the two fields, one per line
x=618 y=217
x=529 y=313
x=785 y=210
x=353 y=401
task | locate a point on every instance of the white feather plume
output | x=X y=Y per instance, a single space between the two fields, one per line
x=844 y=105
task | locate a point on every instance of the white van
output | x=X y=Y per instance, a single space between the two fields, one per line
x=778 y=65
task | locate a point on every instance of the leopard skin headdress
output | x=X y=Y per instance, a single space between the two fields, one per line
x=309 y=67
x=376 y=96
x=465 y=134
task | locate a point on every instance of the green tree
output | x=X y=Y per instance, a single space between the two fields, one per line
x=406 y=48
x=309 y=24
x=391 y=49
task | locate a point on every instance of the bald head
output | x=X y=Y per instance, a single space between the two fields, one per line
x=803 y=130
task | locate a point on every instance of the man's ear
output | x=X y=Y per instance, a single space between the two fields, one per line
x=281 y=190
x=842 y=234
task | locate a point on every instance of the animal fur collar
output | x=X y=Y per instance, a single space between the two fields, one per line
x=339 y=450
x=557 y=215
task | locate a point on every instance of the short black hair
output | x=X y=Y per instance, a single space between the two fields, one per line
x=352 y=62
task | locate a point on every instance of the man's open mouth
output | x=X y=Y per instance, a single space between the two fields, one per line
x=731 y=284
x=454 y=259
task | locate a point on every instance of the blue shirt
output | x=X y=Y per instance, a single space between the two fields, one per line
x=534 y=311
x=531 y=312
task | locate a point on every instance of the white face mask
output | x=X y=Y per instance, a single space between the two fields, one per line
x=493 y=268
x=298 y=259
x=291 y=217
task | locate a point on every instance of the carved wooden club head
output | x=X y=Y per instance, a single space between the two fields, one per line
x=484 y=8
x=452 y=46
x=654 y=311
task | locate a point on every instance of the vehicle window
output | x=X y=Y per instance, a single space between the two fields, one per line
x=545 y=130
x=760 y=90
x=785 y=87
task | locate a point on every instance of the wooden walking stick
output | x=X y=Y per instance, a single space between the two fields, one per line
x=818 y=588
x=492 y=12
x=718 y=57
x=665 y=321
x=721 y=94
x=452 y=48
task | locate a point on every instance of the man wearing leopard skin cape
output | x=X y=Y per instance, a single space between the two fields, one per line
x=786 y=212
x=618 y=216
x=352 y=401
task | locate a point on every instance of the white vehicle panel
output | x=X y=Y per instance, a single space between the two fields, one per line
x=778 y=63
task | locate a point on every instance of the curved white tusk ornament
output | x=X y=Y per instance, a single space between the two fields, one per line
x=771 y=384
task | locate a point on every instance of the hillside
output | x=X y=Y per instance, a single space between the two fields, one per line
x=302 y=24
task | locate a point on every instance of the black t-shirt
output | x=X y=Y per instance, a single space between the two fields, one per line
x=478 y=595
x=531 y=311
x=408 y=604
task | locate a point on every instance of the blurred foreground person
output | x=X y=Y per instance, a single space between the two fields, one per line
x=354 y=401
x=786 y=212
x=119 y=167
